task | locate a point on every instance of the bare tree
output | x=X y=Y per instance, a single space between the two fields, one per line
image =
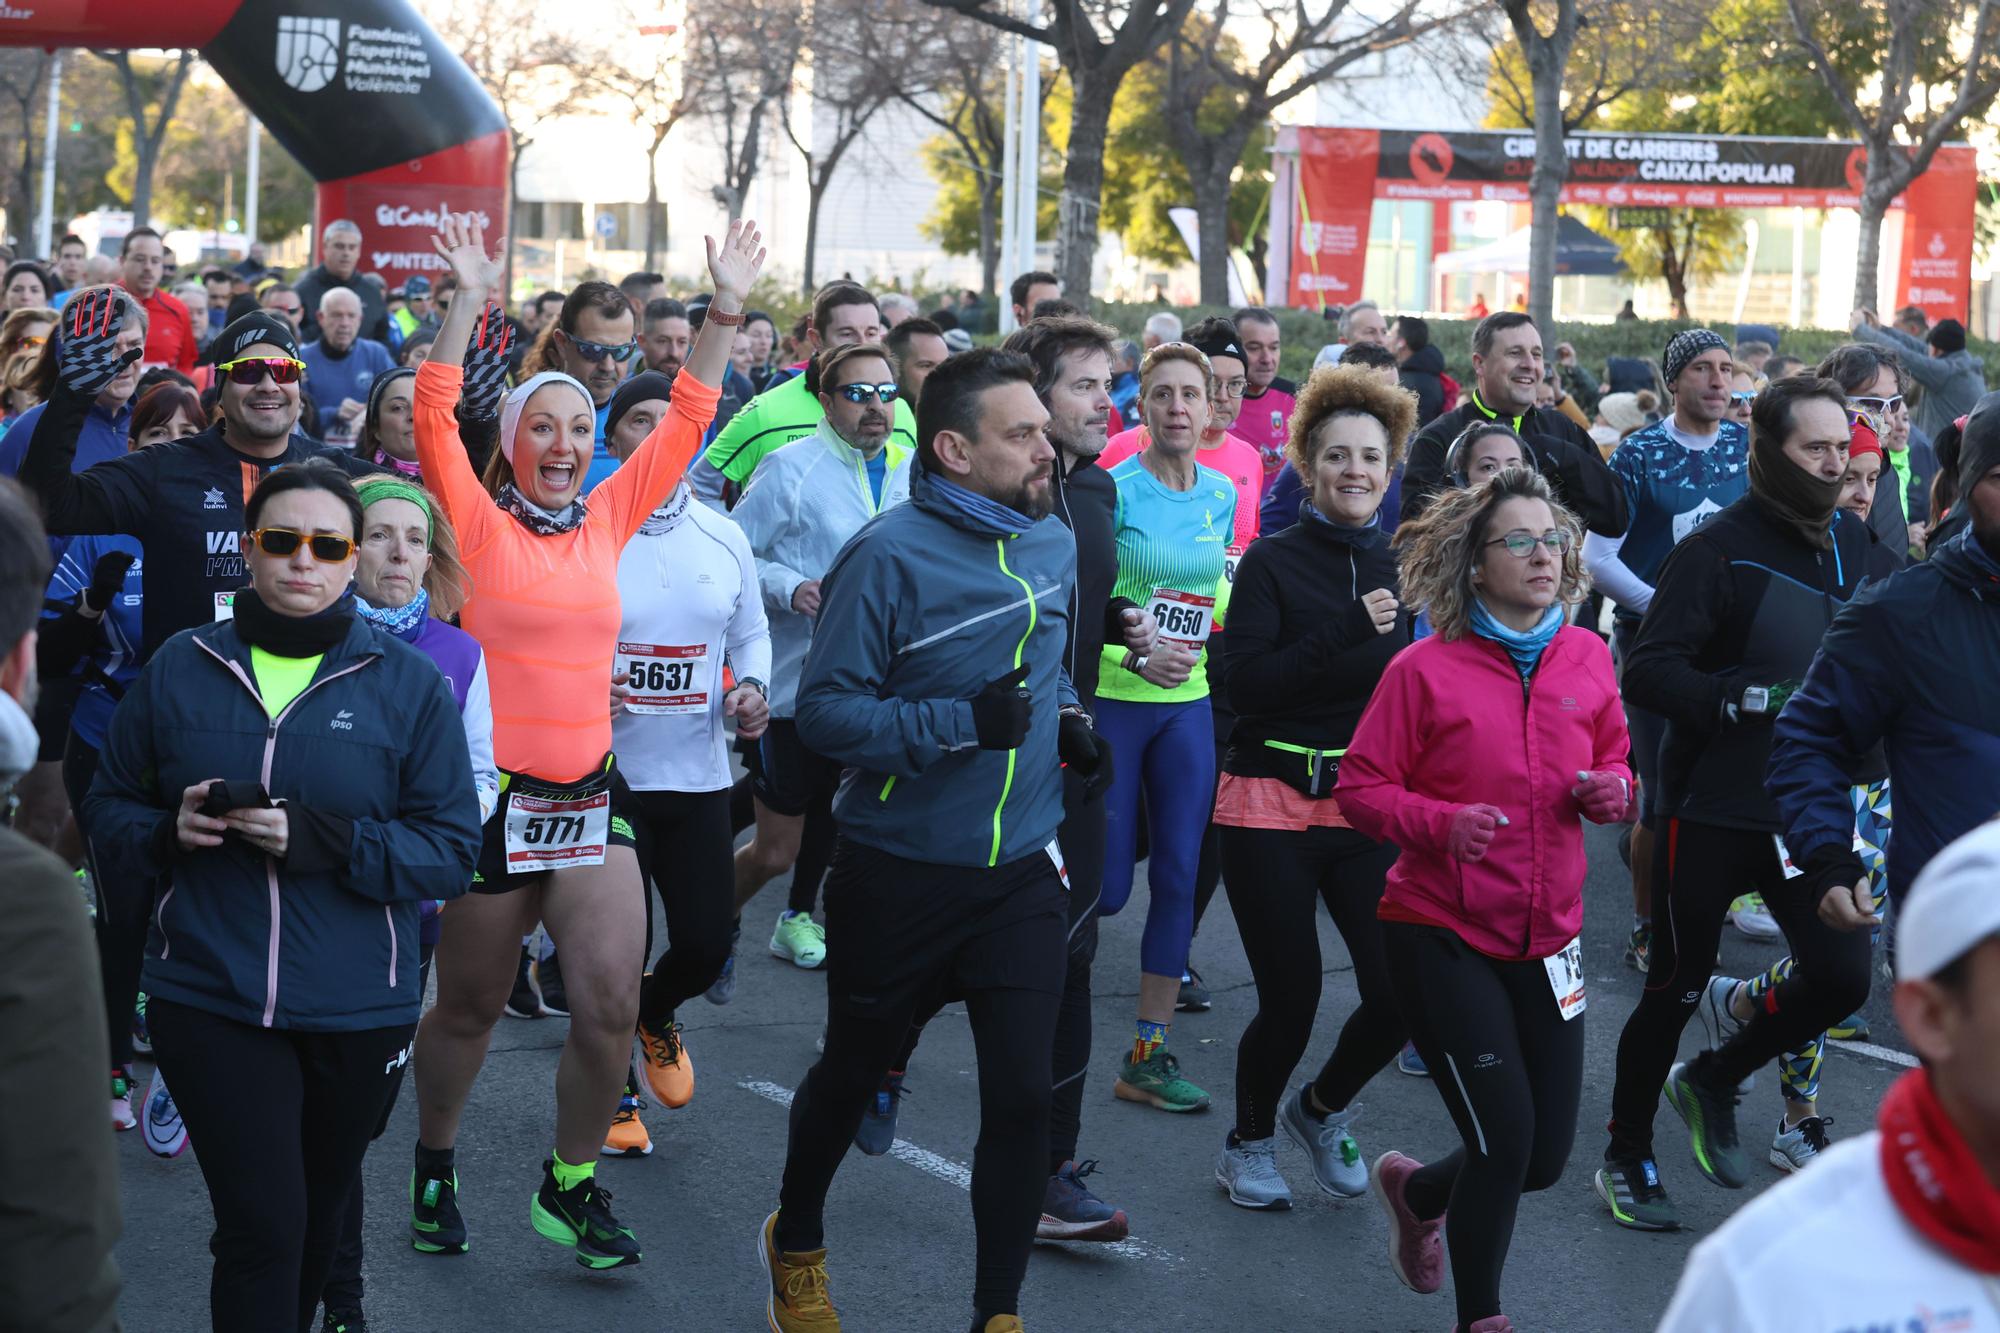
x=1098 y=45
x=21 y=75
x=661 y=86
x=759 y=42
x=966 y=104
x=145 y=88
x=1903 y=129
x=1211 y=76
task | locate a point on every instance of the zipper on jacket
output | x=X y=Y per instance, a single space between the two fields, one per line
x=1020 y=650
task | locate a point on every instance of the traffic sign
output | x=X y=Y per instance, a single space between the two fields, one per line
x=607 y=226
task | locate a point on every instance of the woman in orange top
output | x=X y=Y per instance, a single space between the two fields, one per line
x=543 y=564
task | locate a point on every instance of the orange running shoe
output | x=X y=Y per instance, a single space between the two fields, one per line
x=669 y=1068
x=628 y=1136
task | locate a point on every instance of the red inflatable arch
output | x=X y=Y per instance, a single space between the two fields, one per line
x=363 y=93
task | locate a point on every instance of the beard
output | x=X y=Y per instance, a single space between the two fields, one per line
x=1032 y=501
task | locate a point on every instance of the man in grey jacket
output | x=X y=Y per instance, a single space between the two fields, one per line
x=936 y=676
x=1952 y=377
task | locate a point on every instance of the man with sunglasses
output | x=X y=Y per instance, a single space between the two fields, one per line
x=1676 y=473
x=1952 y=378
x=182 y=499
x=801 y=507
x=1872 y=376
x=593 y=340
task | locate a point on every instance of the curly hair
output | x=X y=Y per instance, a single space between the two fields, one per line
x=1177 y=351
x=1349 y=391
x=1442 y=546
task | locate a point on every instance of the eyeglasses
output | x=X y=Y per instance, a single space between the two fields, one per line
x=1878 y=406
x=1742 y=395
x=329 y=548
x=1235 y=388
x=590 y=351
x=32 y=342
x=861 y=393
x=251 y=370
x=1521 y=545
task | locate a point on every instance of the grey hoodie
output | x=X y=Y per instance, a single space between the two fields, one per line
x=919 y=611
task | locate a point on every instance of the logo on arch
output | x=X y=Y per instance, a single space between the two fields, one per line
x=1857 y=170
x=1430 y=159
x=308 y=51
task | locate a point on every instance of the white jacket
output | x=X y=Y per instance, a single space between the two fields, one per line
x=1828 y=1250
x=688 y=586
x=802 y=504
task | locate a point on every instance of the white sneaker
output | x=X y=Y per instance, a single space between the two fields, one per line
x=1792 y=1149
x=121 y=1100
x=1718 y=1024
x=1336 y=1159
x=1753 y=918
x=1249 y=1172
x=165 y=1134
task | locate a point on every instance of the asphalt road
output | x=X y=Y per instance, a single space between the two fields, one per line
x=900 y=1229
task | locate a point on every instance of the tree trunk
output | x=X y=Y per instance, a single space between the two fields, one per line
x=515 y=144
x=1674 y=259
x=1868 y=250
x=1545 y=191
x=1083 y=184
x=1211 y=209
x=142 y=179
x=989 y=240
x=815 y=192
x=653 y=197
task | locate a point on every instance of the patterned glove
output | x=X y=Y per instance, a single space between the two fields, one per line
x=89 y=358
x=486 y=366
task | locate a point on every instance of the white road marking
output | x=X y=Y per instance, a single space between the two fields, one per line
x=953 y=1173
x=1873 y=1052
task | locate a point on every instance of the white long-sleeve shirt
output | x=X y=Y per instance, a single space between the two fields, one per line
x=688 y=587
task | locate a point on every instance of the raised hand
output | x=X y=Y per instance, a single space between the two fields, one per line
x=486 y=365
x=461 y=241
x=735 y=264
x=89 y=358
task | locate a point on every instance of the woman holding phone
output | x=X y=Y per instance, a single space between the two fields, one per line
x=302 y=781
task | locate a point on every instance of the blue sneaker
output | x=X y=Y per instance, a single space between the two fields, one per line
x=877 y=1132
x=1071 y=1212
x=723 y=989
x=1409 y=1062
x=1329 y=1142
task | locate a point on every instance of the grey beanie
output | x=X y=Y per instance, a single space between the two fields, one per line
x=1979 y=443
x=1685 y=347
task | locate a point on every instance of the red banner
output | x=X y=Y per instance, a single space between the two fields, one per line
x=1936 y=267
x=1336 y=199
x=397 y=207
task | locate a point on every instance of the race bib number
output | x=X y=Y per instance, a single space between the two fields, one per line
x=1054 y=849
x=1185 y=618
x=666 y=678
x=556 y=834
x=1229 y=559
x=1785 y=855
x=1565 y=969
x=225 y=606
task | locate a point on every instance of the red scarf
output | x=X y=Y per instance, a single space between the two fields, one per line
x=1933 y=1176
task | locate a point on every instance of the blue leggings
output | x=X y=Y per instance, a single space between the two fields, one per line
x=1165 y=753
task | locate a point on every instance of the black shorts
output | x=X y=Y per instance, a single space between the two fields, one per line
x=909 y=932
x=492 y=876
x=787 y=777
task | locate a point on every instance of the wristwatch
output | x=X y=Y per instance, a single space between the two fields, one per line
x=1756 y=700
x=754 y=684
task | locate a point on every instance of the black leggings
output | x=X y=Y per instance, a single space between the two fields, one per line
x=1510 y=1071
x=1697 y=870
x=124 y=911
x=685 y=850
x=279 y=1121
x=1277 y=879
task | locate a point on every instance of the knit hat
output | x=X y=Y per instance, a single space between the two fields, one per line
x=1685 y=347
x=642 y=387
x=1863 y=439
x=1621 y=411
x=1979 y=443
x=1947 y=335
x=259 y=326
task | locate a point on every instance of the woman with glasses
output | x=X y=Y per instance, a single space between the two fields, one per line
x=301 y=782
x=1737 y=613
x=22 y=338
x=1743 y=386
x=543 y=565
x=1480 y=751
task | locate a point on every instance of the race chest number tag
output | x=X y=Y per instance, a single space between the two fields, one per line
x=1229 y=560
x=225 y=605
x=556 y=834
x=666 y=678
x=1185 y=617
x=1565 y=969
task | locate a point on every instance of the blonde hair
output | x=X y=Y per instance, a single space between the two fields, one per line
x=1170 y=352
x=1443 y=545
x=1349 y=391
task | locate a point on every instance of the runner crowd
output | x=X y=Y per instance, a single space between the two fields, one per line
x=377 y=630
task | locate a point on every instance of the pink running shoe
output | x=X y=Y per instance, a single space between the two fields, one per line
x=1493 y=1323
x=1416 y=1248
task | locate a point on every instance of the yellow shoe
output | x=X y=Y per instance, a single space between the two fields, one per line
x=1004 y=1323
x=669 y=1068
x=798 y=1301
x=628 y=1136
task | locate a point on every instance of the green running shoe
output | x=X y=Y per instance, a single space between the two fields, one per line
x=435 y=1224
x=1710 y=1115
x=1854 y=1027
x=799 y=940
x=580 y=1216
x=1630 y=1187
x=1157 y=1081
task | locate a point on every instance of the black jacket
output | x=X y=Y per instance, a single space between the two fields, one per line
x=317 y=282
x=183 y=500
x=1087 y=503
x=1303 y=655
x=1741 y=601
x=1563 y=453
x=1423 y=376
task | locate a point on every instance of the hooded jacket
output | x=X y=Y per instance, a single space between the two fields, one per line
x=1905 y=665
x=1564 y=453
x=1423 y=375
x=773 y=419
x=1452 y=724
x=803 y=504
x=323 y=939
x=922 y=609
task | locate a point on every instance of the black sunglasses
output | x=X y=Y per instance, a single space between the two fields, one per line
x=594 y=352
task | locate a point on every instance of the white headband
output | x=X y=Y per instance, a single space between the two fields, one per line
x=517 y=401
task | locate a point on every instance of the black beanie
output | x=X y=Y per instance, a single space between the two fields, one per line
x=642 y=387
x=1979 y=443
x=259 y=326
x=1947 y=335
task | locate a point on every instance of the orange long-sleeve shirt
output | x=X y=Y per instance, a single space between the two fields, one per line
x=545 y=608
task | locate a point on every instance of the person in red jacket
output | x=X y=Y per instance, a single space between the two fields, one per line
x=1480 y=751
x=170 y=339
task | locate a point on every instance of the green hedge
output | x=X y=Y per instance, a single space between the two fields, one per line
x=1304 y=333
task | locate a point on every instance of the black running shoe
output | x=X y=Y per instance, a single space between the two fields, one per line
x=521 y=1001
x=1710 y=1115
x=1193 y=997
x=344 y=1321
x=1630 y=1187
x=555 y=999
x=580 y=1216
x=435 y=1224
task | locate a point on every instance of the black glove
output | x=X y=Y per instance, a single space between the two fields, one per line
x=107 y=577
x=486 y=365
x=1001 y=711
x=1084 y=753
x=88 y=358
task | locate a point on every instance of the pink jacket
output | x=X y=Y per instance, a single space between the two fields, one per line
x=1451 y=725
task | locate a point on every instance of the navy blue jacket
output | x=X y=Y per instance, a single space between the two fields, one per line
x=373 y=749
x=1906 y=664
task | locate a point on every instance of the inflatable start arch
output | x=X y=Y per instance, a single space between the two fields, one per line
x=363 y=93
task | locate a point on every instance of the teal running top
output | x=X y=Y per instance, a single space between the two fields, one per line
x=1169 y=542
